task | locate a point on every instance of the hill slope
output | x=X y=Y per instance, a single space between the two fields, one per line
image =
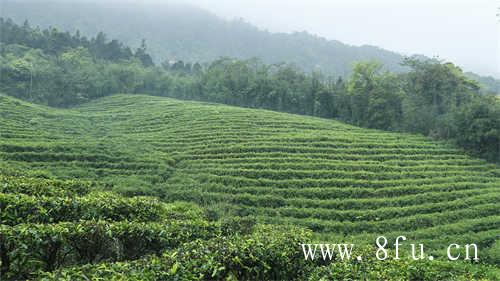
x=181 y=32
x=336 y=179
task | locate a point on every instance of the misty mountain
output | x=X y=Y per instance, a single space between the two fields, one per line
x=488 y=83
x=183 y=32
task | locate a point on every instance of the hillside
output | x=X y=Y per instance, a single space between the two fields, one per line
x=336 y=179
x=181 y=32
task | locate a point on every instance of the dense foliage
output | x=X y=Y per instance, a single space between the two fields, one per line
x=433 y=98
x=173 y=246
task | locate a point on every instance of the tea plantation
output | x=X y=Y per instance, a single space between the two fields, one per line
x=133 y=187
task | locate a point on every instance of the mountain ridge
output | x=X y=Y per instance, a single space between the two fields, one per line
x=185 y=32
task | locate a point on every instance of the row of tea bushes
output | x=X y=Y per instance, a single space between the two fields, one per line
x=268 y=253
x=29 y=248
x=20 y=208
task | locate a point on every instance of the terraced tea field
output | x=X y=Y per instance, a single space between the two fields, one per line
x=338 y=180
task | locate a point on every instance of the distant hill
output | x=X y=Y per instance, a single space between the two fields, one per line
x=488 y=83
x=181 y=32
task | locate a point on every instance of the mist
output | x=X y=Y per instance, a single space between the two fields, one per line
x=464 y=32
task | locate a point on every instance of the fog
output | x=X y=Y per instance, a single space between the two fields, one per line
x=464 y=32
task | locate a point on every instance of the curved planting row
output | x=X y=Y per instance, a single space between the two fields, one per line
x=20 y=208
x=322 y=174
x=41 y=186
x=338 y=180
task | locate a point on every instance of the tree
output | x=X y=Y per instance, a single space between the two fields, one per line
x=143 y=56
x=435 y=90
x=360 y=87
x=385 y=109
x=478 y=127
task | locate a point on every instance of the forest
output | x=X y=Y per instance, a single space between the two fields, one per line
x=434 y=98
x=179 y=31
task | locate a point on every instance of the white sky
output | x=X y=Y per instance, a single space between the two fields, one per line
x=466 y=32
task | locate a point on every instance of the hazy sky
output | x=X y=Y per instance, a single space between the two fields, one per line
x=465 y=32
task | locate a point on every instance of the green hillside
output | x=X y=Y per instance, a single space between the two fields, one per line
x=335 y=179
